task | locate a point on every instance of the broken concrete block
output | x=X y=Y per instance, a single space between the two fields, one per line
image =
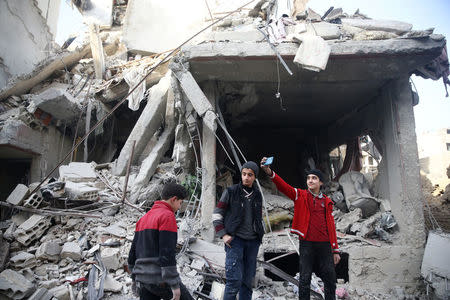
x=77 y=172
x=198 y=264
x=15 y=286
x=313 y=52
x=9 y=233
x=436 y=259
x=396 y=27
x=217 y=290
x=23 y=260
x=214 y=253
x=112 y=285
x=110 y=258
x=32 y=229
x=357 y=194
x=34 y=200
x=18 y=195
x=116 y=230
x=41 y=294
x=348 y=219
x=60 y=292
x=49 y=284
x=50 y=270
x=4 y=253
x=48 y=251
x=81 y=191
x=150 y=120
x=56 y=101
x=71 y=250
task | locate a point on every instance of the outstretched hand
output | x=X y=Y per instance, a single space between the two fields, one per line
x=265 y=168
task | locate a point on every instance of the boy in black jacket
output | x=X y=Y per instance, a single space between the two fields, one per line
x=237 y=219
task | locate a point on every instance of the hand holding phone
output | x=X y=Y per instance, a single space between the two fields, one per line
x=269 y=161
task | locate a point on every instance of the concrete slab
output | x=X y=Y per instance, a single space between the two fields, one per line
x=18 y=194
x=436 y=259
x=14 y=285
x=77 y=172
x=17 y=134
x=214 y=253
x=150 y=120
x=56 y=101
x=379 y=25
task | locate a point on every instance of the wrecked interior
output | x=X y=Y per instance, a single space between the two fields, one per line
x=80 y=166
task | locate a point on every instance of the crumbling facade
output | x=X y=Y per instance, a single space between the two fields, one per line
x=247 y=88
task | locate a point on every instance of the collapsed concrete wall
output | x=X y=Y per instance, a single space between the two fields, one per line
x=25 y=46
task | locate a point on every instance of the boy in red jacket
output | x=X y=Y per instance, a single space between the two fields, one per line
x=152 y=254
x=314 y=224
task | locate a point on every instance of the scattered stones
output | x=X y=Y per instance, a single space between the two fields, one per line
x=348 y=219
x=71 y=250
x=14 y=285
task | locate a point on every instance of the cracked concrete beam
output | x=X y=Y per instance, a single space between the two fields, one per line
x=192 y=90
x=150 y=120
x=149 y=165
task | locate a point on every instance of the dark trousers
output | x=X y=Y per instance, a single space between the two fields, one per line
x=240 y=268
x=316 y=257
x=157 y=292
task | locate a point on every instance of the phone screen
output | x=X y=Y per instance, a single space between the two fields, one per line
x=269 y=161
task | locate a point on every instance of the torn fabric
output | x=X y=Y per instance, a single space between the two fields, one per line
x=132 y=78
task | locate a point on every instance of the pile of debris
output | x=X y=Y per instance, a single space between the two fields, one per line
x=69 y=237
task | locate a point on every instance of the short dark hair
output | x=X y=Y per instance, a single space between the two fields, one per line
x=173 y=189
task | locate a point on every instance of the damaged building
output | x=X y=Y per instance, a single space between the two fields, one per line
x=90 y=132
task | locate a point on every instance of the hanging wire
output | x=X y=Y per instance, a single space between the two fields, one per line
x=167 y=58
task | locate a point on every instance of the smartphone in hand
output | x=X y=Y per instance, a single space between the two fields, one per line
x=269 y=161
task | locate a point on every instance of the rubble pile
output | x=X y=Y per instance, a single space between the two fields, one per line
x=69 y=236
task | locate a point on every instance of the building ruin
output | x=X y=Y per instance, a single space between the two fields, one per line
x=242 y=86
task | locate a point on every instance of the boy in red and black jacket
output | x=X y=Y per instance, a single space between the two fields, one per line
x=152 y=254
x=314 y=224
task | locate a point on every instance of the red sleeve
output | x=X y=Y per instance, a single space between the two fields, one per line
x=285 y=188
